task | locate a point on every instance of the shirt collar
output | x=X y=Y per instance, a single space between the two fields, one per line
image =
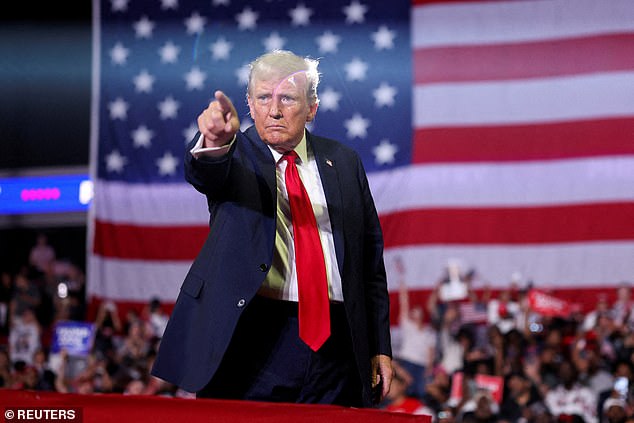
x=301 y=150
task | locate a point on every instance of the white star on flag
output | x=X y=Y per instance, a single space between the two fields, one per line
x=118 y=109
x=115 y=162
x=143 y=82
x=169 y=4
x=356 y=70
x=329 y=100
x=220 y=49
x=328 y=42
x=195 y=79
x=119 y=5
x=384 y=95
x=195 y=23
x=383 y=38
x=142 y=137
x=119 y=54
x=168 y=108
x=243 y=74
x=144 y=27
x=169 y=52
x=357 y=126
x=247 y=19
x=274 y=42
x=384 y=152
x=355 y=12
x=167 y=164
x=300 y=16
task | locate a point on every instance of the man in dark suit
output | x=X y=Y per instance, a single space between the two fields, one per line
x=236 y=329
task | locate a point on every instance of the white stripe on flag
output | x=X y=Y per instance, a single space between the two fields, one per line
x=558 y=182
x=517 y=21
x=119 y=279
x=555 y=265
x=524 y=101
x=150 y=204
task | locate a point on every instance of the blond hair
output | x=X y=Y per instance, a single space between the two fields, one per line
x=281 y=64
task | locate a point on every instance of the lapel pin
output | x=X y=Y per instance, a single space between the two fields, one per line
x=329 y=162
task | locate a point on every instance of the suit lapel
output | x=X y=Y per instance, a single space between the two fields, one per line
x=327 y=166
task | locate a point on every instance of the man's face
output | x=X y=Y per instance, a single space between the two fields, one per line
x=280 y=110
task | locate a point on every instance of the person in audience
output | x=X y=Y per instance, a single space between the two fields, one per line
x=26 y=295
x=437 y=391
x=42 y=255
x=6 y=294
x=602 y=308
x=417 y=350
x=503 y=311
x=570 y=398
x=25 y=337
x=482 y=408
x=454 y=340
x=615 y=410
x=519 y=395
x=623 y=305
x=5 y=369
x=156 y=318
x=586 y=357
x=45 y=376
x=398 y=400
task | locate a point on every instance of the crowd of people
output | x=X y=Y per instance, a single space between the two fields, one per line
x=485 y=357
x=48 y=290
x=494 y=358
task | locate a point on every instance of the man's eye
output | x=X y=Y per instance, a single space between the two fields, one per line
x=288 y=100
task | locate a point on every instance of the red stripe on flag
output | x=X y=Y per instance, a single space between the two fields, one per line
x=148 y=242
x=527 y=225
x=524 y=60
x=524 y=142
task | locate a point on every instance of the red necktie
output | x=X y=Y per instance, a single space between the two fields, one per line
x=312 y=283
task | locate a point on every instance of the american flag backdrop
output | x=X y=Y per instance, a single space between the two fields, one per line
x=498 y=133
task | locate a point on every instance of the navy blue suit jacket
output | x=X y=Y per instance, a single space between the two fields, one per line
x=241 y=194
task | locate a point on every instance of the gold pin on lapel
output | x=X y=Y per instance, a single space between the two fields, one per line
x=329 y=162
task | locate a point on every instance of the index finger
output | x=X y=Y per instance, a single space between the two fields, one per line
x=225 y=103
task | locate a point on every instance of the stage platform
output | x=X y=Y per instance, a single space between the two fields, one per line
x=116 y=408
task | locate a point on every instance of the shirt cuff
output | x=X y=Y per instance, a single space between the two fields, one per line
x=199 y=151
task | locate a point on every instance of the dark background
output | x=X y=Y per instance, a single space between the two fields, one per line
x=45 y=82
x=45 y=90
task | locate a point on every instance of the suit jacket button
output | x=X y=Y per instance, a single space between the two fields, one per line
x=264 y=267
x=241 y=302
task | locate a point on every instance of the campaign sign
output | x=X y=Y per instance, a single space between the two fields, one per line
x=77 y=338
x=493 y=384
x=548 y=305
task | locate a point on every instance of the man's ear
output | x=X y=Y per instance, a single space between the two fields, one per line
x=250 y=104
x=312 y=112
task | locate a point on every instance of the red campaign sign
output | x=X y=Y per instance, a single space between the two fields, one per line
x=456 y=388
x=547 y=305
x=493 y=384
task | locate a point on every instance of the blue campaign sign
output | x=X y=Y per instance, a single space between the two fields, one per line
x=77 y=338
x=45 y=194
